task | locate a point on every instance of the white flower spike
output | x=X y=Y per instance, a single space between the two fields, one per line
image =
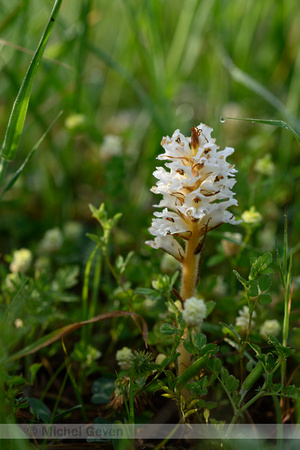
x=196 y=185
x=196 y=189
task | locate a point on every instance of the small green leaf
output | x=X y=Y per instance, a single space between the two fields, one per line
x=265 y=299
x=215 y=365
x=259 y=265
x=253 y=291
x=95 y=238
x=267 y=271
x=240 y=278
x=39 y=409
x=265 y=282
x=34 y=370
x=256 y=348
x=281 y=350
x=208 y=348
x=199 y=340
x=209 y=307
x=167 y=328
x=102 y=389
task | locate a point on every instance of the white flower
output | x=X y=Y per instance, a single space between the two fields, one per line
x=270 y=327
x=265 y=165
x=52 y=241
x=75 y=122
x=11 y=280
x=111 y=146
x=196 y=188
x=21 y=261
x=194 y=311
x=124 y=358
x=19 y=323
x=252 y=216
x=243 y=319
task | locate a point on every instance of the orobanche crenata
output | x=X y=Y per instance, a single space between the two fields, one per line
x=196 y=190
x=196 y=184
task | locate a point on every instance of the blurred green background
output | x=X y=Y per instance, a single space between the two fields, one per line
x=138 y=70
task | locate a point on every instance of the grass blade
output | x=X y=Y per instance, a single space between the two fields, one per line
x=245 y=79
x=62 y=332
x=273 y=122
x=28 y=158
x=19 y=110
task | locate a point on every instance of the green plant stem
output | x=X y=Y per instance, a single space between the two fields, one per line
x=85 y=292
x=279 y=422
x=162 y=443
x=244 y=243
x=249 y=326
x=59 y=397
x=95 y=290
x=74 y=384
x=286 y=281
x=239 y=411
x=52 y=379
x=236 y=411
x=3 y=167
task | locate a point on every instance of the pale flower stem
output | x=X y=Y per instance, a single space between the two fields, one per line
x=189 y=279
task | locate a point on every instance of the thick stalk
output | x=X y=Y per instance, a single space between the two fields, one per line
x=190 y=270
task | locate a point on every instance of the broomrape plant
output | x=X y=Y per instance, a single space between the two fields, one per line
x=196 y=186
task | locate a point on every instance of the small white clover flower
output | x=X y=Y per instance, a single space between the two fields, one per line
x=196 y=188
x=10 y=280
x=124 y=358
x=265 y=165
x=52 y=241
x=75 y=122
x=194 y=311
x=243 y=319
x=270 y=327
x=19 y=323
x=111 y=146
x=251 y=216
x=21 y=261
